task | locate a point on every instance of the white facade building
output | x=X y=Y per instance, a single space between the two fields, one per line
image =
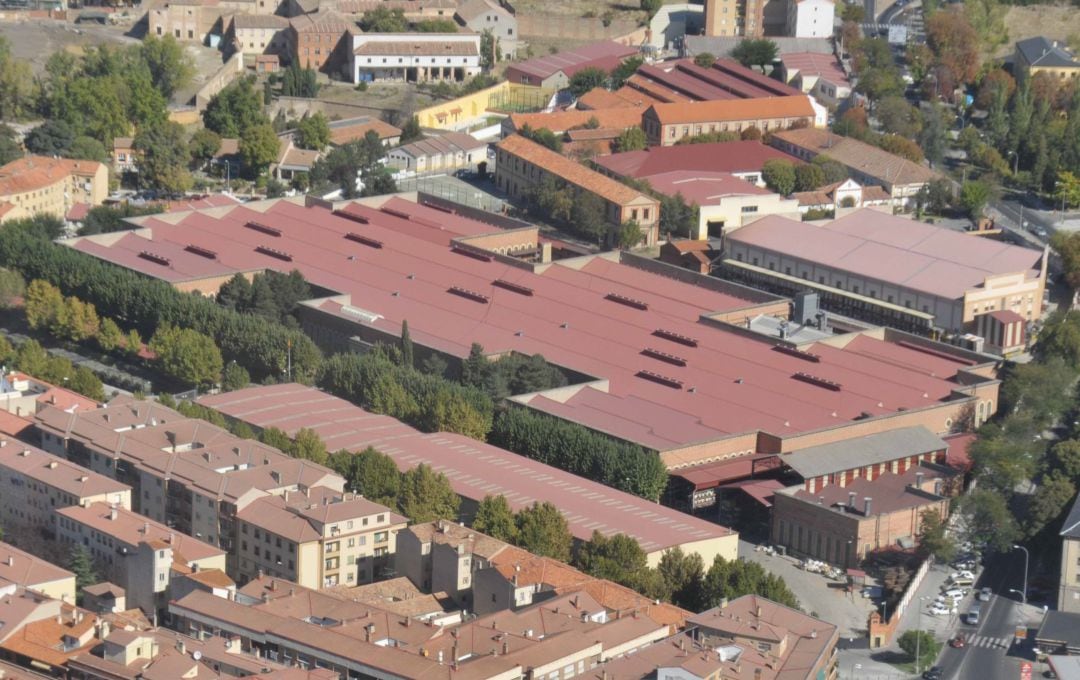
x=810 y=18
x=415 y=57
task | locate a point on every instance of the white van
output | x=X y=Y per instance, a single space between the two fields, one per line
x=973 y=614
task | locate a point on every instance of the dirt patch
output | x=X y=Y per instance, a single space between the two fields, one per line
x=34 y=41
x=1056 y=22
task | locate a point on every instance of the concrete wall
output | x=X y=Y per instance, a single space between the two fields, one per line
x=221 y=78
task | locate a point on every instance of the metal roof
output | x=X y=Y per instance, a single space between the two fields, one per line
x=1063 y=627
x=869 y=450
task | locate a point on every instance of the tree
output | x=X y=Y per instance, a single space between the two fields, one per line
x=901 y=146
x=299 y=82
x=31 y=358
x=204 y=145
x=12 y=288
x=987 y=521
x=234 y=377
x=955 y=45
x=586 y=79
x=935 y=197
x=1055 y=496
x=87 y=384
x=379 y=182
x=373 y=474
x=384 y=20
x=832 y=170
x=9 y=148
x=475 y=368
x=809 y=177
x=588 y=216
x=187 y=355
x=82 y=565
x=235 y=109
x=899 y=117
x=727 y=580
x=133 y=343
x=235 y=293
x=629 y=235
x=631 y=139
x=406 y=345
x=779 y=175
x=923 y=643
x=1065 y=459
x=44 y=305
x=542 y=530
x=410 y=131
x=543 y=137
x=80 y=320
x=313 y=132
x=933 y=536
x=17 y=85
x=277 y=439
x=651 y=7
x=163 y=158
x=755 y=52
x=426 y=495
x=1068 y=189
x=495 y=518
x=974 y=195
x=932 y=136
x=626 y=68
x=435 y=26
x=109 y=337
x=308 y=446
x=490 y=51
x=258 y=147
x=51 y=138
x=684 y=577
x=103 y=219
x=170 y=67
x=85 y=148
x=705 y=59
x=617 y=558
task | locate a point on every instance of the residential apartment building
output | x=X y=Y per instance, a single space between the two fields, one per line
x=811 y=18
x=33 y=484
x=320 y=41
x=819 y=75
x=1042 y=55
x=442 y=557
x=42 y=633
x=415 y=57
x=490 y=15
x=866 y=163
x=40 y=184
x=139 y=555
x=1069 y=585
x=744 y=18
x=318 y=538
x=260 y=34
x=27 y=571
x=124 y=156
x=844 y=524
x=449 y=151
x=203 y=21
x=522 y=164
x=185 y=472
x=666 y=124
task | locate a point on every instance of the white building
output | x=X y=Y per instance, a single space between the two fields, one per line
x=810 y=18
x=415 y=57
x=447 y=152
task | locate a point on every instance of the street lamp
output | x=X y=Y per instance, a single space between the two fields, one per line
x=1027 y=556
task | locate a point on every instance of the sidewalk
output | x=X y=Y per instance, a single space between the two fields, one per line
x=915 y=616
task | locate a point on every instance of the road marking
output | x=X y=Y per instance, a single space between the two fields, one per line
x=987 y=641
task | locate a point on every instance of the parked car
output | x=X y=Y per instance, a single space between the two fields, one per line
x=954 y=594
x=958 y=641
x=941 y=609
x=985 y=594
x=962 y=574
x=933 y=673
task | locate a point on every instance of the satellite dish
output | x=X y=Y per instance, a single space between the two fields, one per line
x=196 y=655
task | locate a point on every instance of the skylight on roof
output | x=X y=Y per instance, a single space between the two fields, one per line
x=468 y=294
x=264 y=228
x=155 y=258
x=628 y=301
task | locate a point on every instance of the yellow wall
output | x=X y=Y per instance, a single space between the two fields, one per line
x=472 y=106
x=725 y=546
x=61 y=589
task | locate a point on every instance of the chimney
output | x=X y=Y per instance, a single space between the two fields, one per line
x=53 y=464
x=440 y=657
x=10 y=561
x=181 y=647
x=867 y=506
x=757 y=613
x=505 y=648
x=918 y=479
x=851 y=499
x=112 y=514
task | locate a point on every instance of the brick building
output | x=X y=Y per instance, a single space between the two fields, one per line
x=666 y=124
x=522 y=164
x=321 y=41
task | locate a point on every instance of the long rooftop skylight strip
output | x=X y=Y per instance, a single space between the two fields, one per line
x=676 y=337
x=513 y=287
x=374 y=243
x=352 y=216
x=274 y=252
x=155 y=258
x=797 y=353
x=468 y=294
x=264 y=228
x=395 y=213
x=814 y=380
x=664 y=356
x=201 y=252
x=661 y=379
x=628 y=301
x=469 y=252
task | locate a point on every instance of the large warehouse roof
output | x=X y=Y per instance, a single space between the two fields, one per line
x=474 y=469
x=673 y=375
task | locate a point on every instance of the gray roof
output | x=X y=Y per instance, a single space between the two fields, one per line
x=1060 y=627
x=869 y=450
x=721 y=46
x=451 y=142
x=1039 y=51
x=1071 y=527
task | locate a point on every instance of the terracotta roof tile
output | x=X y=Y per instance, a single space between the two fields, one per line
x=33 y=172
x=561 y=121
x=792 y=106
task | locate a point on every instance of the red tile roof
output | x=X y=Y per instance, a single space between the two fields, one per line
x=703 y=188
x=605 y=55
x=34 y=172
x=561 y=121
x=735 y=157
x=765 y=108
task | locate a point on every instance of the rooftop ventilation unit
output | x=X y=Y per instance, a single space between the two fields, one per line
x=266 y=229
x=274 y=252
x=628 y=301
x=664 y=356
x=513 y=287
x=797 y=353
x=353 y=236
x=201 y=252
x=664 y=380
x=395 y=213
x=470 y=252
x=820 y=382
x=440 y=208
x=675 y=337
x=352 y=216
x=155 y=258
x=469 y=294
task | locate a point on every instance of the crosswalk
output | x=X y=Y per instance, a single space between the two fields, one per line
x=988 y=641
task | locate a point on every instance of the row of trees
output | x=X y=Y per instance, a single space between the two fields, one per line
x=784 y=177
x=511 y=374
x=270 y=294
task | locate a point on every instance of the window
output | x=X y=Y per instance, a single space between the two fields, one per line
x=749 y=209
